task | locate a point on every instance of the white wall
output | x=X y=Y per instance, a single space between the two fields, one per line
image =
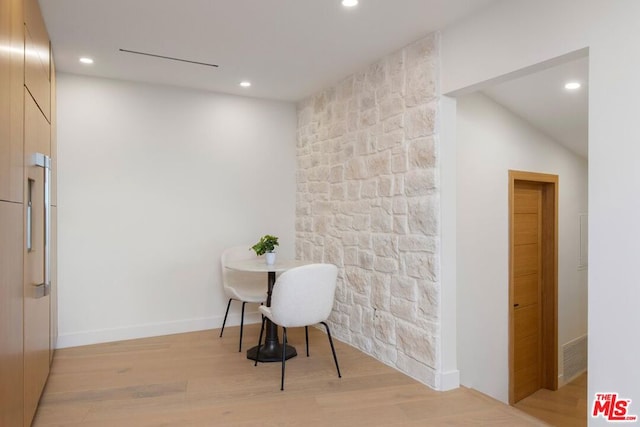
x=490 y=141
x=515 y=34
x=154 y=182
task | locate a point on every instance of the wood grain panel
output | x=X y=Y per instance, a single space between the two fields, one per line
x=54 y=214
x=36 y=74
x=54 y=135
x=526 y=321
x=11 y=312
x=33 y=19
x=526 y=290
x=522 y=186
x=527 y=200
x=37 y=56
x=528 y=381
x=36 y=309
x=37 y=133
x=526 y=272
x=11 y=210
x=549 y=298
x=528 y=352
x=54 y=284
x=525 y=227
x=142 y=383
x=526 y=259
x=11 y=100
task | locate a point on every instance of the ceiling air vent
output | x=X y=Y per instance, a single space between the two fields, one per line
x=168 y=57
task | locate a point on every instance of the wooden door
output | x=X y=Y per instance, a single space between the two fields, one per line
x=36 y=298
x=533 y=282
x=527 y=274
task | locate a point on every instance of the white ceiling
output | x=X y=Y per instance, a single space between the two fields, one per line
x=288 y=49
x=541 y=99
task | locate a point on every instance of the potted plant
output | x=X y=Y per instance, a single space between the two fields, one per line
x=266 y=245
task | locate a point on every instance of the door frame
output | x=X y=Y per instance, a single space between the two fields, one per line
x=549 y=300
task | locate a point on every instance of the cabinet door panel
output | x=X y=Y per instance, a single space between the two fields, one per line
x=36 y=73
x=37 y=56
x=54 y=283
x=33 y=19
x=11 y=359
x=54 y=216
x=36 y=302
x=54 y=137
x=11 y=100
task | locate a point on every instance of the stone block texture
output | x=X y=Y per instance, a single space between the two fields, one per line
x=368 y=201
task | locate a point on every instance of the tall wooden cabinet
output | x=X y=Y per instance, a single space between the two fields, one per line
x=11 y=213
x=11 y=87
x=28 y=306
x=11 y=345
x=54 y=216
x=37 y=282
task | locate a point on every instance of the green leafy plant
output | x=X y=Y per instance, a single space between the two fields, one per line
x=267 y=243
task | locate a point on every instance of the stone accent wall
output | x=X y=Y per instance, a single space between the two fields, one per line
x=368 y=201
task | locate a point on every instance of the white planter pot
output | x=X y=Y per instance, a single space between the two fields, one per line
x=270 y=258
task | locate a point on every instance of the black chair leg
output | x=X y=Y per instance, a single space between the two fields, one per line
x=306 y=337
x=333 y=350
x=225 y=316
x=241 y=326
x=259 y=341
x=284 y=353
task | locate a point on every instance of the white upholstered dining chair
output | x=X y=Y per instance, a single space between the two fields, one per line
x=302 y=296
x=245 y=287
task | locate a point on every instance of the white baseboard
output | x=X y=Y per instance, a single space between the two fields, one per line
x=76 y=339
x=566 y=381
x=448 y=380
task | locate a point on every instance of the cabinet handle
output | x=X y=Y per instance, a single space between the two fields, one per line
x=41 y=290
x=29 y=218
x=44 y=161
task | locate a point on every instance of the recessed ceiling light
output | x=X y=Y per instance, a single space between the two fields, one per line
x=572 y=86
x=349 y=3
x=245 y=84
x=86 y=60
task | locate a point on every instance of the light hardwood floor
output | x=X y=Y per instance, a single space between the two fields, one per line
x=198 y=379
x=566 y=407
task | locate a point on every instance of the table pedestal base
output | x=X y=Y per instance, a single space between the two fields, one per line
x=271 y=352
